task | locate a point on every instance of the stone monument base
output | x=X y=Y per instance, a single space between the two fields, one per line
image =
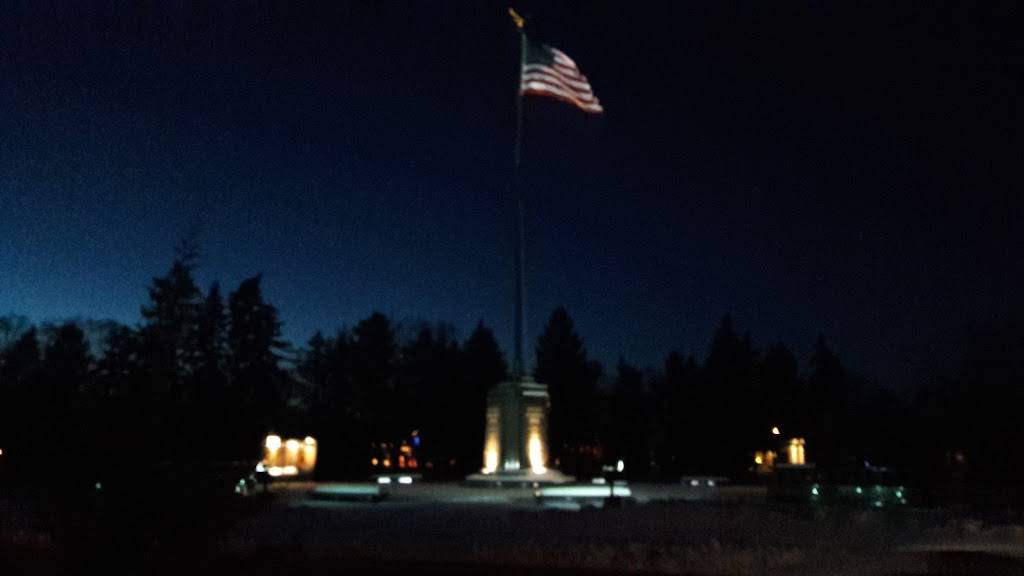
x=520 y=479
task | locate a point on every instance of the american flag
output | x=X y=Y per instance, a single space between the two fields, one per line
x=550 y=72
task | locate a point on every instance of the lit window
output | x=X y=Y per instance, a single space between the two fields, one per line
x=796 y=451
x=273 y=442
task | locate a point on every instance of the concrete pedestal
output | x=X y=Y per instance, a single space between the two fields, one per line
x=516 y=436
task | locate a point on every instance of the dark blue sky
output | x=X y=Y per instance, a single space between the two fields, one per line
x=846 y=170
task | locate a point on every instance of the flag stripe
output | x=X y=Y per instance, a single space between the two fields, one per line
x=571 y=72
x=591 y=109
x=537 y=69
x=562 y=58
x=544 y=89
x=559 y=95
x=556 y=83
x=559 y=87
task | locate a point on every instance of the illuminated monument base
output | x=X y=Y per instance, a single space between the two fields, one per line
x=515 y=436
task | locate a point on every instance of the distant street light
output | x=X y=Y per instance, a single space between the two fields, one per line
x=775 y=431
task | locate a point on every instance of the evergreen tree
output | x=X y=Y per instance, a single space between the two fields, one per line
x=483 y=361
x=678 y=412
x=12 y=327
x=562 y=364
x=120 y=404
x=19 y=388
x=827 y=388
x=483 y=367
x=253 y=343
x=372 y=369
x=630 y=420
x=730 y=390
x=340 y=392
x=208 y=405
x=429 y=396
x=61 y=427
x=786 y=404
x=341 y=419
x=171 y=323
x=211 y=338
x=315 y=365
x=168 y=350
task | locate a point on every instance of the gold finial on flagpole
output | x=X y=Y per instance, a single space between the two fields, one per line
x=518 y=20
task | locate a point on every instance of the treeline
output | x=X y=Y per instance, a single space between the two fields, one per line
x=204 y=377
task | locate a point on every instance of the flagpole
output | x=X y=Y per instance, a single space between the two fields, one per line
x=518 y=359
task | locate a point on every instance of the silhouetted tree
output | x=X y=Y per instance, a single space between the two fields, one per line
x=20 y=390
x=429 y=395
x=208 y=404
x=785 y=403
x=729 y=389
x=372 y=373
x=631 y=422
x=827 y=388
x=12 y=327
x=120 y=407
x=484 y=363
x=171 y=319
x=211 y=338
x=253 y=342
x=119 y=368
x=62 y=433
x=168 y=349
x=986 y=393
x=562 y=364
x=677 y=412
x=315 y=365
x=340 y=416
x=483 y=367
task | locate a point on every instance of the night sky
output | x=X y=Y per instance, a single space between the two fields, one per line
x=851 y=170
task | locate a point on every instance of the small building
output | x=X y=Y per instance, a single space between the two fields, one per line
x=288 y=457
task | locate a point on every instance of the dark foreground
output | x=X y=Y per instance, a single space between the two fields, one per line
x=449 y=529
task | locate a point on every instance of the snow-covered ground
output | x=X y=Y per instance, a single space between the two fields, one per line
x=670 y=529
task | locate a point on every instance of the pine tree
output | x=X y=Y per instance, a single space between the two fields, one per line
x=315 y=365
x=785 y=403
x=827 y=387
x=630 y=418
x=729 y=387
x=677 y=411
x=171 y=318
x=483 y=366
x=62 y=425
x=211 y=338
x=20 y=365
x=562 y=364
x=374 y=354
x=253 y=344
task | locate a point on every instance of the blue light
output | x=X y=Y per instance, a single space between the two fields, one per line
x=415 y=440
